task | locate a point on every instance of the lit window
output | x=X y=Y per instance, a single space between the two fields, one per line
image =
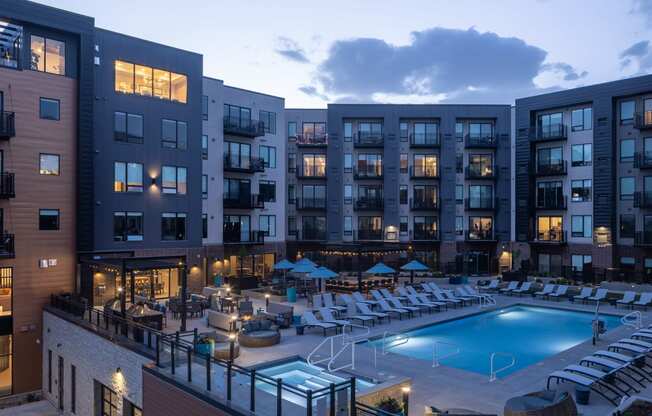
x=48 y=55
x=161 y=84
x=143 y=80
x=179 y=88
x=124 y=77
x=49 y=164
x=148 y=81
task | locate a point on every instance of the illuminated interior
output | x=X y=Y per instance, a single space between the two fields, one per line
x=150 y=82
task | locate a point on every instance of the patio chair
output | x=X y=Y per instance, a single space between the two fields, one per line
x=411 y=290
x=625 y=369
x=357 y=296
x=327 y=316
x=439 y=297
x=364 y=310
x=583 y=381
x=384 y=307
x=328 y=303
x=610 y=377
x=493 y=286
x=513 y=285
x=547 y=289
x=559 y=293
x=426 y=287
x=638 y=361
x=584 y=294
x=317 y=302
x=377 y=295
x=389 y=295
x=395 y=303
x=462 y=293
x=451 y=296
x=424 y=299
x=627 y=300
x=644 y=301
x=436 y=288
x=523 y=290
x=414 y=301
x=600 y=295
x=311 y=321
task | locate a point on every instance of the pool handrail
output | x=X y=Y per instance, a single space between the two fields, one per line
x=493 y=373
x=636 y=322
x=435 y=352
x=385 y=348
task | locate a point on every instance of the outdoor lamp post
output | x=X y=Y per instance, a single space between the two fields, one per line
x=406 y=399
x=266 y=301
x=231 y=345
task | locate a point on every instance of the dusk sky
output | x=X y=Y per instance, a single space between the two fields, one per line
x=409 y=51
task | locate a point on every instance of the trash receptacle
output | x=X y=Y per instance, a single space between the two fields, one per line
x=582 y=395
x=291 y=293
x=299 y=329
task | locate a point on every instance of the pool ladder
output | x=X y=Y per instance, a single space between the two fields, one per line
x=399 y=340
x=436 y=357
x=487 y=301
x=494 y=372
x=633 y=319
x=348 y=341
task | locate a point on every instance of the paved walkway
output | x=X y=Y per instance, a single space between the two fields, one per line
x=42 y=408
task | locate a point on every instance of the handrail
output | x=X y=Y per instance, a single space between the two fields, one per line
x=637 y=322
x=435 y=352
x=494 y=373
x=487 y=301
x=318 y=347
x=400 y=340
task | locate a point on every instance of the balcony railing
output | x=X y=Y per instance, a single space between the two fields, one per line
x=369 y=173
x=551 y=169
x=479 y=235
x=643 y=238
x=368 y=140
x=472 y=141
x=481 y=204
x=477 y=171
x=7 y=250
x=246 y=201
x=643 y=160
x=643 y=121
x=643 y=200
x=550 y=133
x=303 y=172
x=235 y=236
x=311 y=204
x=7 y=125
x=311 y=235
x=419 y=172
x=7 y=185
x=421 y=204
x=425 y=140
x=236 y=163
x=312 y=140
x=368 y=204
x=366 y=235
x=550 y=237
x=558 y=203
x=425 y=235
x=243 y=127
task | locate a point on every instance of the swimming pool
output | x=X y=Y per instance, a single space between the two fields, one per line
x=530 y=334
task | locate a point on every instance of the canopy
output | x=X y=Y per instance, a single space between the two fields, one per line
x=307 y=261
x=415 y=266
x=322 y=273
x=381 y=268
x=284 y=265
x=303 y=268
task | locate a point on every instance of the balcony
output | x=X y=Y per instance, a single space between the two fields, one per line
x=421 y=204
x=559 y=203
x=643 y=121
x=643 y=238
x=243 y=127
x=480 y=142
x=312 y=140
x=311 y=234
x=477 y=171
x=311 y=204
x=425 y=235
x=7 y=185
x=369 y=204
x=425 y=140
x=364 y=140
x=369 y=235
x=243 y=165
x=479 y=236
x=480 y=204
x=7 y=246
x=550 y=169
x=643 y=200
x=550 y=237
x=421 y=172
x=7 y=125
x=369 y=173
x=550 y=133
x=235 y=236
x=310 y=172
x=643 y=160
x=246 y=201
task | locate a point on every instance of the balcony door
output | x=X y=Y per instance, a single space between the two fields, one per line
x=647 y=144
x=477 y=262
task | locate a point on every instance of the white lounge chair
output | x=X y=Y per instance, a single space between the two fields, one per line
x=600 y=296
x=395 y=303
x=581 y=380
x=559 y=293
x=389 y=295
x=462 y=292
x=426 y=287
x=412 y=291
x=377 y=295
x=644 y=301
x=584 y=294
x=424 y=299
x=493 y=286
x=311 y=321
x=415 y=301
x=602 y=376
x=451 y=296
x=364 y=310
x=439 y=297
x=617 y=366
x=328 y=303
x=384 y=306
x=513 y=285
x=524 y=289
x=327 y=316
x=436 y=288
x=547 y=289
x=628 y=298
x=357 y=296
x=317 y=302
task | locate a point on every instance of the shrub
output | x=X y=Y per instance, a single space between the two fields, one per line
x=390 y=404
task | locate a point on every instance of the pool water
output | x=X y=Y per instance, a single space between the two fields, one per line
x=530 y=334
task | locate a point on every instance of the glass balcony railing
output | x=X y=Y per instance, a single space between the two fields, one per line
x=238 y=163
x=243 y=201
x=424 y=204
x=243 y=127
x=233 y=235
x=424 y=140
x=554 y=203
x=312 y=140
x=369 y=204
x=311 y=204
x=479 y=171
x=549 y=132
x=486 y=141
x=643 y=160
x=643 y=121
x=550 y=236
x=551 y=169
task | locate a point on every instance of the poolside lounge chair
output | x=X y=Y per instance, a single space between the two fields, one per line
x=559 y=293
x=357 y=296
x=623 y=368
x=523 y=290
x=493 y=286
x=436 y=288
x=415 y=301
x=412 y=291
x=596 y=374
x=639 y=360
x=426 y=287
x=630 y=348
x=627 y=300
x=439 y=297
x=384 y=307
x=328 y=302
x=547 y=289
x=584 y=294
x=364 y=310
x=644 y=301
x=327 y=316
x=424 y=299
x=388 y=295
x=581 y=380
x=600 y=295
x=451 y=296
x=311 y=321
x=395 y=303
x=510 y=287
x=462 y=292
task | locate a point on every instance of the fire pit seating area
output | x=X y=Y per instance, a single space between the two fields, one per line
x=259 y=332
x=280 y=314
x=219 y=320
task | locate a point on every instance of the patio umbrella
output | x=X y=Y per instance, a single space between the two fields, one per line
x=414 y=266
x=380 y=268
x=322 y=273
x=284 y=265
x=303 y=268
x=306 y=260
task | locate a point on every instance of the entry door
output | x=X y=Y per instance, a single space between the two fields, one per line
x=61 y=382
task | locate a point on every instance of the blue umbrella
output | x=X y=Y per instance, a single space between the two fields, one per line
x=307 y=261
x=381 y=268
x=284 y=265
x=414 y=266
x=303 y=268
x=322 y=273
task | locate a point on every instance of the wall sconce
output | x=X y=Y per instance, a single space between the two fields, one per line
x=118 y=370
x=153 y=181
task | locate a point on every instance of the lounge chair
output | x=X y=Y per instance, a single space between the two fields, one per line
x=424 y=299
x=377 y=295
x=628 y=298
x=439 y=297
x=311 y=321
x=619 y=367
x=595 y=385
x=547 y=290
x=317 y=302
x=523 y=290
x=426 y=287
x=513 y=285
x=584 y=294
x=357 y=296
x=462 y=292
x=327 y=316
x=415 y=301
x=644 y=301
x=628 y=347
x=412 y=291
x=559 y=293
x=389 y=295
x=638 y=360
x=364 y=310
x=600 y=295
x=602 y=376
x=436 y=288
x=395 y=303
x=493 y=286
x=384 y=307
x=328 y=302
x=451 y=296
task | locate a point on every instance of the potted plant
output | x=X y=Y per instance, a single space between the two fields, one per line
x=390 y=405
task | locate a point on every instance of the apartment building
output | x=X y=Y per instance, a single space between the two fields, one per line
x=582 y=181
x=424 y=181
x=243 y=182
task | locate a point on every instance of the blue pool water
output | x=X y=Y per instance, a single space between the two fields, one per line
x=531 y=334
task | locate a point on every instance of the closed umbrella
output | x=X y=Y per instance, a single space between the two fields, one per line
x=321 y=274
x=414 y=266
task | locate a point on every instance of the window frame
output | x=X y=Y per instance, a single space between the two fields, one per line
x=40 y=161
x=128 y=138
x=269 y=121
x=620 y=226
x=138 y=189
x=152 y=89
x=42 y=100
x=626 y=197
x=267 y=217
x=176 y=216
x=45 y=46
x=260 y=190
x=57 y=225
x=174 y=190
x=583 y=161
x=625 y=121
x=265 y=154
x=126 y=236
x=590 y=196
x=626 y=159
x=583 y=125
x=168 y=143
x=582 y=221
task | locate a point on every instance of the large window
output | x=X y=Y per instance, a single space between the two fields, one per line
x=425 y=165
x=313 y=228
x=582 y=119
x=424 y=196
x=581 y=155
x=173 y=226
x=237 y=155
x=128 y=127
x=269 y=121
x=481 y=196
x=49 y=109
x=314 y=196
x=48 y=219
x=48 y=164
x=292 y=130
x=481 y=130
x=627 y=148
x=581 y=190
x=370 y=165
x=314 y=130
x=237 y=228
x=174 y=134
x=425 y=228
x=551 y=156
x=481 y=165
x=370 y=129
x=237 y=116
x=48 y=55
x=267 y=190
x=627 y=110
x=128 y=177
x=314 y=165
x=237 y=189
x=174 y=180
x=550 y=228
x=127 y=226
x=425 y=133
x=110 y=402
x=627 y=185
x=627 y=225
x=267 y=225
x=268 y=154
x=551 y=125
x=579 y=260
x=481 y=228
x=582 y=226
x=151 y=82
x=550 y=194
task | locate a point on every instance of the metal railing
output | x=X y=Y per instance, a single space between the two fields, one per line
x=477 y=171
x=437 y=357
x=493 y=375
x=551 y=169
x=425 y=235
x=558 y=203
x=368 y=173
x=481 y=204
x=238 y=163
x=428 y=172
x=369 y=235
x=481 y=235
x=642 y=199
x=368 y=140
x=643 y=120
x=425 y=139
x=244 y=201
x=550 y=237
x=362 y=204
x=548 y=133
x=418 y=204
x=643 y=160
x=318 y=204
x=312 y=140
x=398 y=339
x=480 y=141
x=240 y=237
x=312 y=172
x=243 y=126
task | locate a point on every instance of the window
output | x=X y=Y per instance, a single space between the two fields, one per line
x=481 y=130
x=627 y=225
x=581 y=226
x=348 y=131
x=292 y=226
x=550 y=229
x=314 y=165
x=268 y=154
x=174 y=180
x=459 y=225
x=48 y=219
x=73 y=389
x=132 y=410
x=481 y=228
x=459 y=132
x=268 y=225
x=237 y=155
x=292 y=162
x=403 y=226
x=150 y=82
x=204 y=107
x=348 y=194
x=204 y=147
x=481 y=165
x=627 y=109
x=403 y=128
x=315 y=132
x=550 y=195
x=173 y=226
x=110 y=402
x=481 y=196
x=313 y=196
x=128 y=177
x=292 y=194
x=128 y=127
x=269 y=121
x=459 y=163
x=582 y=119
x=267 y=190
x=49 y=109
x=627 y=262
x=174 y=134
x=627 y=148
x=578 y=261
x=403 y=194
x=348 y=162
x=581 y=155
x=49 y=371
x=127 y=226
x=48 y=55
x=348 y=225
x=292 y=129
x=627 y=185
x=551 y=125
x=404 y=162
x=551 y=156
x=581 y=190
x=237 y=117
x=204 y=225
x=49 y=164
x=370 y=165
x=204 y=186
x=459 y=194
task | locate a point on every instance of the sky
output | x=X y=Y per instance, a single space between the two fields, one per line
x=409 y=51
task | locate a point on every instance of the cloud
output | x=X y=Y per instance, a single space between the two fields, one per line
x=291 y=50
x=313 y=92
x=644 y=8
x=437 y=65
x=637 y=57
